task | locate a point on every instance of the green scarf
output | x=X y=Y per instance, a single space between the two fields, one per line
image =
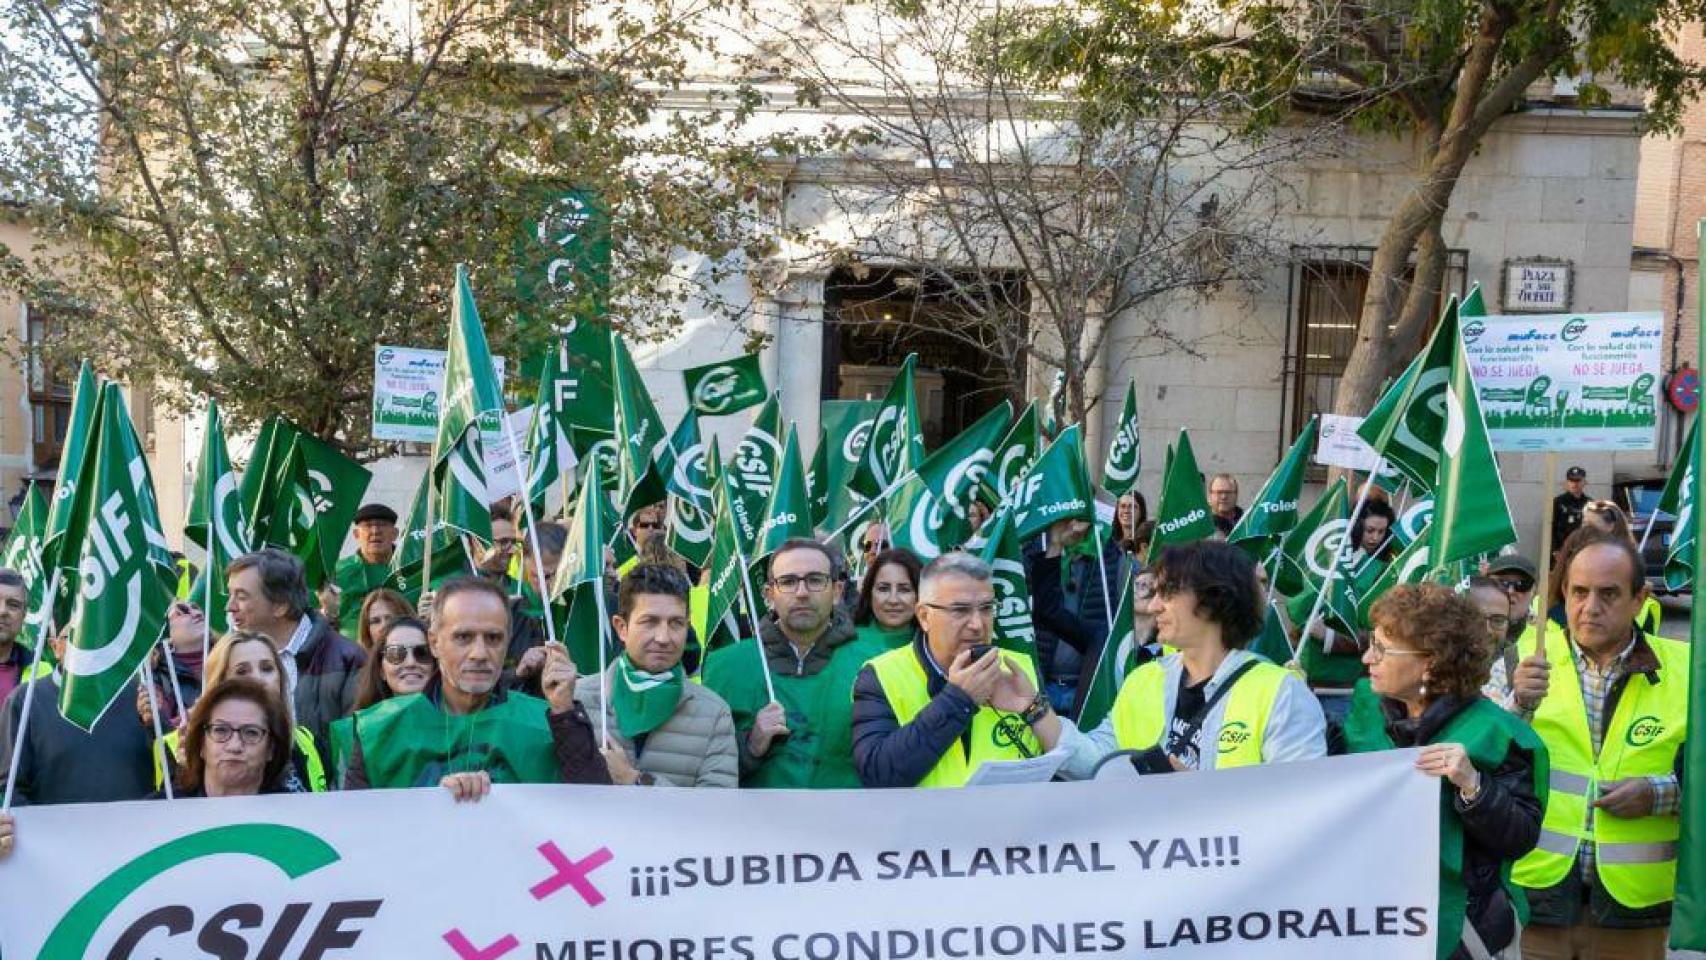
x=643 y=701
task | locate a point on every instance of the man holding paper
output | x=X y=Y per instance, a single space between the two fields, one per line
x=931 y=713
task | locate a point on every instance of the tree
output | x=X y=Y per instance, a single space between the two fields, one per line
x=1033 y=221
x=247 y=197
x=1439 y=73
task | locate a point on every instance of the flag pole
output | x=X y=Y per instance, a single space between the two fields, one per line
x=1543 y=586
x=30 y=693
x=523 y=471
x=172 y=674
x=603 y=656
x=752 y=610
x=1333 y=571
x=206 y=608
x=1102 y=568
x=147 y=677
x=426 y=548
x=1688 y=929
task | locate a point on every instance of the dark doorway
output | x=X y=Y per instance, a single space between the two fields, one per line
x=876 y=316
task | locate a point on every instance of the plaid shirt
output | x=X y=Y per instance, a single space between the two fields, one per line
x=1596 y=686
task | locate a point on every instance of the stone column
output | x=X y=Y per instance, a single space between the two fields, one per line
x=793 y=362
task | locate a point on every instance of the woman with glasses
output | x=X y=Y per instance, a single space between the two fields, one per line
x=236 y=744
x=887 y=611
x=1212 y=704
x=402 y=664
x=378 y=611
x=1426 y=666
x=251 y=656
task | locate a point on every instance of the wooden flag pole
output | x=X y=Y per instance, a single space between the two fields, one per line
x=1543 y=586
x=523 y=471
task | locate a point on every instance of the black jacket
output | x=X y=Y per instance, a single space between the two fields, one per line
x=1501 y=825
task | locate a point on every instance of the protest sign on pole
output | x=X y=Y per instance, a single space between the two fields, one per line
x=1162 y=864
x=405 y=392
x=1586 y=381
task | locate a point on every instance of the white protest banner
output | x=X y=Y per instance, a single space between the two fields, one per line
x=1554 y=382
x=406 y=382
x=1339 y=445
x=1314 y=861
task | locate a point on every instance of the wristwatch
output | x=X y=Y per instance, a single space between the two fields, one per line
x=1036 y=711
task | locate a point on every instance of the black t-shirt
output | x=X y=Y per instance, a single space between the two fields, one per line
x=1186 y=707
x=1566 y=516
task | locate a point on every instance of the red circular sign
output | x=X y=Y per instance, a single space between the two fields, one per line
x=1684 y=389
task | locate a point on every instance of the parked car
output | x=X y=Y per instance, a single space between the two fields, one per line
x=1638 y=497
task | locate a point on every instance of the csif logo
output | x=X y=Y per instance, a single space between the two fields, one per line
x=294 y=852
x=1232 y=736
x=1644 y=731
x=1574 y=329
x=1473 y=331
x=386 y=355
x=716 y=390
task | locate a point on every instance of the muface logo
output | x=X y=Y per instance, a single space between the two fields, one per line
x=294 y=852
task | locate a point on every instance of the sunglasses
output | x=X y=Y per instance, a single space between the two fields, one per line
x=647 y=525
x=1514 y=584
x=396 y=654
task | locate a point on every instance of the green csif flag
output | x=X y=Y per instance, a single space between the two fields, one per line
x=590 y=531
x=1184 y=515
x=932 y=511
x=1274 y=511
x=1688 y=921
x=215 y=520
x=896 y=444
x=788 y=513
x=727 y=386
x=1309 y=549
x=1004 y=551
x=689 y=482
x=300 y=494
x=1408 y=423
x=1118 y=659
x=548 y=444
x=1680 y=568
x=728 y=572
x=750 y=474
x=846 y=426
x=1119 y=473
x=59 y=558
x=639 y=434
x=473 y=402
x=22 y=555
x=126 y=571
x=1018 y=449
x=1471 y=515
x=408 y=575
x=1057 y=487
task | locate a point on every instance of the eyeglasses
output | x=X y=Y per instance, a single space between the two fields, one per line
x=648 y=525
x=962 y=611
x=1143 y=589
x=248 y=734
x=505 y=543
x=1514 y=584
x=183 y=609
x=1381 y=651
x=814 y=582
x=396 y=653
x=1496 y=623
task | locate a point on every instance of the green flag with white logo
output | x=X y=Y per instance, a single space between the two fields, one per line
x=1408 y=423
x=1413 y=522
x=300 y=494
x=846 y=428
x=408 y=575
x=1411 y=565
x=689 y=481
x=728 y=567
x=548 y=444
x=1018 y=449
x=1274 y=511
x=1309 y=550
x=1671 y=497
x=473 y=402
x=727 y=386
x=215 y=520
x=640 y=431
x=590 y=531
x=1057 y=487
x=1184 y=515
x=1119 y=472
x=1118 y=659
x=817 y=478
x=896 y=444
x=788 y=513
x=930 y=513
x=127 y=575
x=1004 y=551
x=1471 y=515
x=1679 y=559
x=22 y=555
x=56 y=555
x=751 y=473
x=919 y=520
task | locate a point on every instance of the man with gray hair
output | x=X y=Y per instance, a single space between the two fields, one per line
x=269 y=596
x=931 y=713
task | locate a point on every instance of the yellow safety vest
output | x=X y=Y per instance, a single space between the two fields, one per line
x=314 y=778
x=1635 y=858
x=1652 y=615
x=1140 y=712
x=907 y=688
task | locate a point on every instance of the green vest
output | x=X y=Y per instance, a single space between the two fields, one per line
x=907 y=688
x=886 y=638
x=313 y=777
x=356 y=579
x=1487 y=734
x=1320 y=668
x=818 y=752
x=1140 y=717
x=409 y=741
x=1635 y=858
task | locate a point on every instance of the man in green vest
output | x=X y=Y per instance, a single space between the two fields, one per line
x=803 y=737
x=1213 y=704
x=465 y=732
x=365 y=570
x=1611 y=704
x=931 y=713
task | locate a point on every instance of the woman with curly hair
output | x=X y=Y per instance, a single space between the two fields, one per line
x=1427 y=664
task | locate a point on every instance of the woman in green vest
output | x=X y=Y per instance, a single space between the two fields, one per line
x=1427 y=663
x=252 y=655
x=887 y=612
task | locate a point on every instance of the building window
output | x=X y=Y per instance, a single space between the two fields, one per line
x=49 y=386
x=1328 y=284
